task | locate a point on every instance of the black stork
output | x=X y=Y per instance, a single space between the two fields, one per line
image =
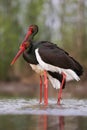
x=49 y=61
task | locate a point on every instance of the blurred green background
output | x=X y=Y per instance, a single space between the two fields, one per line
x=63 y=22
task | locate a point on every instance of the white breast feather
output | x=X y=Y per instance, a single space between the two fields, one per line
x=37 y=68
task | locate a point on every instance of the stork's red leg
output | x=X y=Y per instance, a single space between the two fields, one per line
x=45 y=88
x=40 y=89
x=60 y=91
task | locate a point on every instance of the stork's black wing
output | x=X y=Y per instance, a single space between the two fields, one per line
x=53 y=55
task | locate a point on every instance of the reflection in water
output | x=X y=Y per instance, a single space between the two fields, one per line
x=48 y=122
x=51 y=122
x=42 y=122
x=61 y=122
x=24 y=114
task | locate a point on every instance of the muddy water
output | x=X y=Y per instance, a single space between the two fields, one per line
x=25 y=114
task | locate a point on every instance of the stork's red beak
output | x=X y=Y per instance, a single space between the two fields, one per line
x=23 y=46
x=17 y=55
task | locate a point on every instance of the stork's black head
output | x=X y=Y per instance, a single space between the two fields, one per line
x=32 y=30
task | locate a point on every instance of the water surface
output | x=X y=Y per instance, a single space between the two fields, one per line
x=28 y=114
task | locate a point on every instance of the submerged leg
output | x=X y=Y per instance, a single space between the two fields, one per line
x=61 y=87
x=45 y=88
x=40 y=89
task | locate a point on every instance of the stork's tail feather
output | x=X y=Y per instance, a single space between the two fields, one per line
x=78 y=68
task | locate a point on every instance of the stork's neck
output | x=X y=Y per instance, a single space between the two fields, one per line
x=29 y=54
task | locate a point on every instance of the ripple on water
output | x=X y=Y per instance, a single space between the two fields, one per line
x=68 y=107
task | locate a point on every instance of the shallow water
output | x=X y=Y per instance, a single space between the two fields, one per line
x=28 y=114
x=68 y=107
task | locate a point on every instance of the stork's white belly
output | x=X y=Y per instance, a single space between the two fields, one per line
x=37 y=68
